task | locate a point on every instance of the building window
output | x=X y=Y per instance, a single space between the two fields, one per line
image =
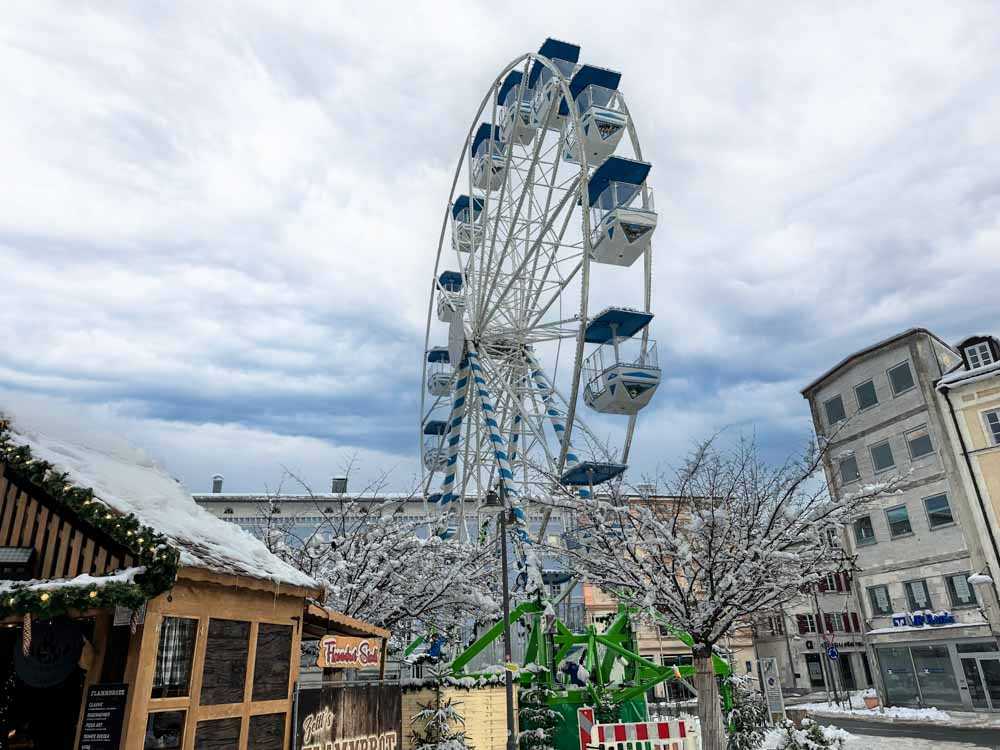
x=864 y=532
x=879 y=598
x=174 y=656
x=227 y=512
x=899 y=521
x=979 y=355
x=900 y=378
x=849 y=469
x=164 y=731
x=805 y=623
x=993 y=425
x=224 y=675
x=938 y=511
x=959 y=590
x=917 y=595
x=776 y=625
x=918 y=442
x=834 y=410
x=865 y=393
x=882 y=458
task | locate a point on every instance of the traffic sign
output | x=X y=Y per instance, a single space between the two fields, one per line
x=833 y=653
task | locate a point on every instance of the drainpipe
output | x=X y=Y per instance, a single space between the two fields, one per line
x=979 y=500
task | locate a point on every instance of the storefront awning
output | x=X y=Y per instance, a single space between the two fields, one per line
x=319 y=620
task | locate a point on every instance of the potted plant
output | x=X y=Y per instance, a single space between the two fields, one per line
x=871 y=699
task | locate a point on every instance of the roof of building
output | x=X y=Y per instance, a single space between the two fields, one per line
x=961 y=376
x=128 y=481
x=868 y=350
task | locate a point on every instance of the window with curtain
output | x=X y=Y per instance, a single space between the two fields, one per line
x=959 y=590
x=174 y=657
x=917 y=595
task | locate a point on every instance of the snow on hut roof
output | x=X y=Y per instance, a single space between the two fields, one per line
x=129 y=481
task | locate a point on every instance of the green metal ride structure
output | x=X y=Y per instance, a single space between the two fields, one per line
x=617 y=677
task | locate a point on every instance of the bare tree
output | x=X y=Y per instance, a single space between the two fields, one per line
x=734 y=538
x=382 y=564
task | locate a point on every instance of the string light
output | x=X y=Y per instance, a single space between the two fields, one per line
x=44 y=597
x=93 y=594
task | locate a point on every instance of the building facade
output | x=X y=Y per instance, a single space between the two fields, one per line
x=915 y=550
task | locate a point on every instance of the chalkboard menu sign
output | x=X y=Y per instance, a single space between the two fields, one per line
x=103 y=717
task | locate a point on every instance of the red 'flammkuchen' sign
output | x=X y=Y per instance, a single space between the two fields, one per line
x=347 y=652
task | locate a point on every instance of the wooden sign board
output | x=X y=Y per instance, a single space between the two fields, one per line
x=349 y=652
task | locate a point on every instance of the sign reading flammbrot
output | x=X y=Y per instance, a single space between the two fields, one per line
x=349 y=652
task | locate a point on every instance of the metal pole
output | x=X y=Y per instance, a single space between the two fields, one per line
x=507 y=655
x=827 y=667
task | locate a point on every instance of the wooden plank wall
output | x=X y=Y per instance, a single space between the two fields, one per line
x=484 y=710
x=63 y=547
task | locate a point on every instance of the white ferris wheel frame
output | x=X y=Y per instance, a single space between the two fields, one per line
x=578 y=189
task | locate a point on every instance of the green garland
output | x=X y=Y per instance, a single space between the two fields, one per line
x=149 y=548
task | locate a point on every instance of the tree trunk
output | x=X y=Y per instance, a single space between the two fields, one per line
x=709 y=704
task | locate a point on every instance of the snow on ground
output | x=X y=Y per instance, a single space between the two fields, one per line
x=868 y=742
x=886 y=712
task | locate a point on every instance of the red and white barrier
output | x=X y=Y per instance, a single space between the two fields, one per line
x=642 y=735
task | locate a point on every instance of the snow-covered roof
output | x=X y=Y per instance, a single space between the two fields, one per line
x=129 y=481
x=963 y=375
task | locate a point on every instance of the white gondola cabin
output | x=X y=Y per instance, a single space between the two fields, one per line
x=489 y=158
x=439 y=371
x=466 y=231
x=622 y=218
x=602 y=115
x=545 y=85
x=517 y=123
x=622 y=373
x=435 y=454
x=450 y=301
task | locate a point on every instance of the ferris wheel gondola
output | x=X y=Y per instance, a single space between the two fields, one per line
x=542 y=210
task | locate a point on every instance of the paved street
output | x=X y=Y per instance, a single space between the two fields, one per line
x=976 y=736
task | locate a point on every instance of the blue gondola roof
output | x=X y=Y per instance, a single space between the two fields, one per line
x=450 y=280
x=513 y=79
x=483 y=134
x=462 y=203
x=589 y=75
x=629 y=323
x=438 y=354
x=554 y=50
x=435 y=427
x=592 y=472
x=616 y=169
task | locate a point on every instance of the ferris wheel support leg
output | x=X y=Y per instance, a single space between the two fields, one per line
x=453 y=438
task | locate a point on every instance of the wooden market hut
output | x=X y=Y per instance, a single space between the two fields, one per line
x=128 y=610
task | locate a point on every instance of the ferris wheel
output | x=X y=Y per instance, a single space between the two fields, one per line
x=541 y=289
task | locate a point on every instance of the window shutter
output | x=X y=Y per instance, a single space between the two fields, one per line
x=856 y=621
x=802 y=623
x=822 y=584
x=842 y=584
x=847 y=623
x=828 y=621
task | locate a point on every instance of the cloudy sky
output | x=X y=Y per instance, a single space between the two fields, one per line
x=218 y=219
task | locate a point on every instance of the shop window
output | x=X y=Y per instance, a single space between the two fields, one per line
x=267 y=732
x=935 y=676
x=273 y=662
x=959 y=590
x=224 y=674
x=899 y=521
x=164 y=731
x=864 y=532
x=849 y=469
x=174 y=656
x=938 y=511
x=834 y=410
x=897 y=676
x=866 y=395
x=218 y=734
x=882 y=458
x=900 y=378
x=917 y=595
x=879 y=598
x=978 y=647
x=919 y=443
